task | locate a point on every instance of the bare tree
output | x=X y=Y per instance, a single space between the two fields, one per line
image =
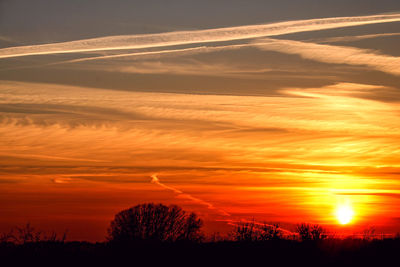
x=7 y=237
x=251 y=231
x=28 y=234
x=318 y=232
x=245 y=232
x=270 y=232
x=155 y=222
x=369 y=233
x=310 y=231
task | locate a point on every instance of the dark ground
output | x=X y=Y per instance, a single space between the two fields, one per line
x=329 y=252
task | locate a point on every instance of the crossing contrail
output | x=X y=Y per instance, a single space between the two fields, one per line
x=155 y=180
x=142 y=41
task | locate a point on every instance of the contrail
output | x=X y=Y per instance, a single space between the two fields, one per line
x=141 y=41
x=313 y=51
x=192 y=50
x=258 y=224
x=155 y=180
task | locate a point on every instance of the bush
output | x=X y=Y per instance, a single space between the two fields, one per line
x=250 y=232
x=310 y=232
x=28 y=234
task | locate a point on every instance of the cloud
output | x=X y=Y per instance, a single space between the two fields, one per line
x=48 y=157
x=62 y=180
x=155 y=180
x=7 y=39
x=394 y=195
x=324 y=139
x=194 y=37
x=354 y=38
x=333 y=54
x=192 y=67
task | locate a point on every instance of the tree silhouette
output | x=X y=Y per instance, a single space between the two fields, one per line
x=251 y=231
x=28 y=234
x=310 y=231
x=369 y=233
x=271 y=232
x=155 y=222
x=245 y=232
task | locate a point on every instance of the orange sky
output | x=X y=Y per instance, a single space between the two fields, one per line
x=280 y=130
x=288 y=158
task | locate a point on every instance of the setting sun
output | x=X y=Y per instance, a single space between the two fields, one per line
x=344 y=214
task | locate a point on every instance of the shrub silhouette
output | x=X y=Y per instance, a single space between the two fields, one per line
x=310 y=232
x=271 y=232
x=369 y=233
x=28 y=234
x=245 y=232
x=155 y=222
x=250 y=232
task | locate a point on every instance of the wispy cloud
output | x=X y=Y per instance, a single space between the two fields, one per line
x=333 y=54
x=354 y=38
x=191 y=67
x=7 y=39
x=194 y=37
x=62 y=180
x=322 y=137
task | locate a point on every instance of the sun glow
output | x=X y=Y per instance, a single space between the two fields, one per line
x=344 y=214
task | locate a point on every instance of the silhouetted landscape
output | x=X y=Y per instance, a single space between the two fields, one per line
x=199 y=133
x=154 y=234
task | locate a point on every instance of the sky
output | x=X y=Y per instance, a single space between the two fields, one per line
x=277 y=111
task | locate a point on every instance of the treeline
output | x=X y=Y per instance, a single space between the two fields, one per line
x=167 y=224
x=155 y=234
